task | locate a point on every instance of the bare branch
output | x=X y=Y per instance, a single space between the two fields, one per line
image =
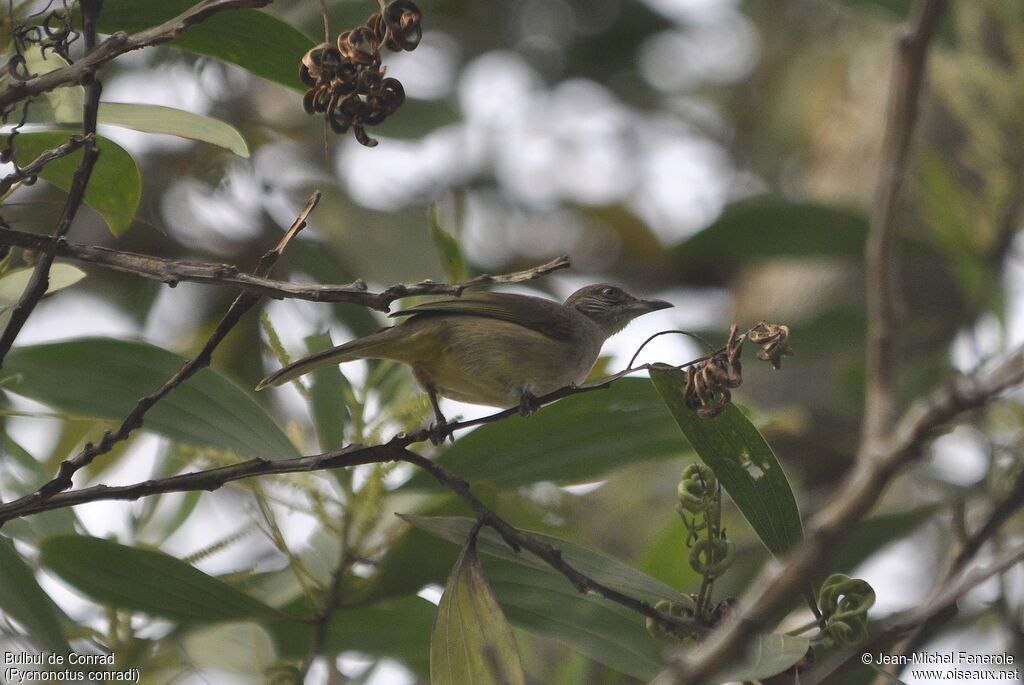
x=40 y=280
x=35 y=166
x=880 y=259
x=242 y=304
x=118 y=44
x=936 y=606
x=968 y=548
x=173 y=272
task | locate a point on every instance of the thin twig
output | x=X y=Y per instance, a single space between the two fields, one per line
x=40 y=280
x=880 y=258
x=945 y=600
x=967 y=550
x=118 y=44
x=172 y=272
x=242 y=304
x=517 y=540
x=36 y=165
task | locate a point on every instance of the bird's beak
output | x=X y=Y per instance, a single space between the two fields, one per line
x=646 y=306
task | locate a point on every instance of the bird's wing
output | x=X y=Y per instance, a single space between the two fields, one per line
x=545 y=316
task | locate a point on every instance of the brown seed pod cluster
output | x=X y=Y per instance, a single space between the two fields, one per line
x=708 y=382
x=346 y=79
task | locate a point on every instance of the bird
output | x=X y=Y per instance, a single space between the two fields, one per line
x=492 y=348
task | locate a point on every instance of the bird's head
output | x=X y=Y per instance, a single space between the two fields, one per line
x=610 y=307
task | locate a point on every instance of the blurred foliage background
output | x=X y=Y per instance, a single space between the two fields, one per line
x=717 y=153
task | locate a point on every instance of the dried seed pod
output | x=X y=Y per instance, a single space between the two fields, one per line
x=360 y=45
x=307 y=101
x=404 y=25
x=392 y=93
x=363 y=139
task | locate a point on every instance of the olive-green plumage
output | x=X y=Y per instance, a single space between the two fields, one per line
x=496 y=349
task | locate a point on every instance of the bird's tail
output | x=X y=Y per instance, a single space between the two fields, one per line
x=370 y=347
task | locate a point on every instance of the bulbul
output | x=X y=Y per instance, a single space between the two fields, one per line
x=496 y=349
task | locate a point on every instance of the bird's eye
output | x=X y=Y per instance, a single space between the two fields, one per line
x=608 y=292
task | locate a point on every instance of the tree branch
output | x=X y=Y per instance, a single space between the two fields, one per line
x=242 y=304
x=118 y=44
x=880 y=261
x=40 y=280
x=173 y=272
x=938 y=605
x=966 y=551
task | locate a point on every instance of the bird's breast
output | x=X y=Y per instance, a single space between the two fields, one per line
x=489 y=361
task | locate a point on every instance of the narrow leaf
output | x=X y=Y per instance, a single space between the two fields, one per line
x=452 y=259
x=576 y=439
x=115 y=186
x=147 y=580
x=472 y=641
x=22 y=599
x=174 y=122
x=105 y=378
x=327 y=398
x=743 y=462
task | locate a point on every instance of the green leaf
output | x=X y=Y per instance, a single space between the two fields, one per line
x=398 y=628
x=452 y=260
x=254 y=40
x=600 y=567
x=23 y=600
x=327 y=397
x=175 y=122
x=14 y=282
x=105 y=378
x=147 y=580
x=472 y=641
x=576 y=439
x=64 y=106
x=742 y=461
x=767 y=655
x=115 y=186
x=549 y=606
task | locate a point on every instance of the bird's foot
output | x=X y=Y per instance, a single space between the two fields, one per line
x=528 y=403
x=438 y=431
